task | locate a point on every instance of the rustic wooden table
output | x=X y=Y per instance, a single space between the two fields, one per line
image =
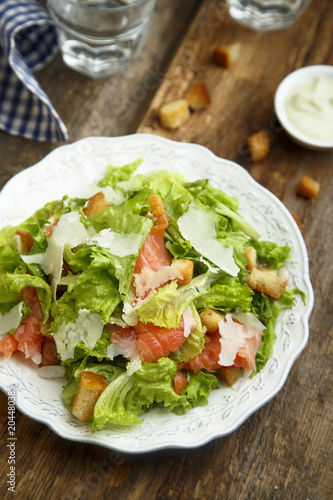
x=283 y=451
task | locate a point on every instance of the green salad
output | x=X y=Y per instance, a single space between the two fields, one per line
x=152 y=292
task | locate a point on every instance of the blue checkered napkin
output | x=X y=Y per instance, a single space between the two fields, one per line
x=27 y=42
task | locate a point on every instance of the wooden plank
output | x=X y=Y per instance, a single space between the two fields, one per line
x=285 y=449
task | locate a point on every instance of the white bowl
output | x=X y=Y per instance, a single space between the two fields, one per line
x=293 y=80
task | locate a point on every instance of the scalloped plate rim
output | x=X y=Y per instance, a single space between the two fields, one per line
x=97 y=438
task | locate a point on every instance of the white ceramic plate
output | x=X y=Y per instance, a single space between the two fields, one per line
x=65 y=171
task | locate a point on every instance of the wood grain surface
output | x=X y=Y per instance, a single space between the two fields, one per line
x=284 y=450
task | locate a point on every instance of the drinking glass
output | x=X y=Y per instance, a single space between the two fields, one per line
x=266 y=15
x=100 y=38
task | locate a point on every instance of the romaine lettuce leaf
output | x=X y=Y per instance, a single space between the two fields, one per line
x=194 y=343
x=15 y=282
x=197 y=392
x=165 y=306
x=226 y=294
x=268 y=311
x=119 y=174
x=96 y=291
x=271 y=253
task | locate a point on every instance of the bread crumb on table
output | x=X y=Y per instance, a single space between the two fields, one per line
x=198 y=96
x=258 y=144
x=173 y=114
x=225 y=55
x=308 y=187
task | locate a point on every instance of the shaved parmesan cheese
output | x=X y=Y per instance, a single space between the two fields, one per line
x=233 y=335
x=36 y=358
x=197 y=226
x=87 y=328
x=189 y=322
x=69 y=230
x=148 y=279
x=250 y=320
x=117 y=244
x=11 y=319
x=37 y=258
x=112 y=351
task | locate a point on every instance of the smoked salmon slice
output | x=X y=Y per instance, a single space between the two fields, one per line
x=179 y=382
x=155 y=342
x=8 y=345
x=153 y=253
x=246 y=356
x=152 y=342
x=28 y=337
x=209 y=357
x=30 y=295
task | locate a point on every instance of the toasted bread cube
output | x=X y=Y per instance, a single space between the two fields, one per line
x=185 y=266
x=91 y=387
x=229 y=374
x=258 y=145
x=308 y=187
x=210 y=319
x=298 y=221
x=174 y=113
x=158 y=207
x=266 y=281
x=225 y=55
x=251 y=254
x=198 y=96
x=158 y=212
x=95 y=204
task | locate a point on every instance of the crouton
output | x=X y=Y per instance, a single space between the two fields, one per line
x=158 y=211
x=267 y=281
x=308 y=187
x=158 y=207
x=298 y=221
x=198 y=96
x=210 y=319
x=91 y=387
x=258 y=144
x=226 y=55
x=229 y=374
x=185 y=266
x=95 y=204
x=49 y=351
x=251 y=254
x=174 y=113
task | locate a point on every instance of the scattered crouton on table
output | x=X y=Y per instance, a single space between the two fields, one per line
x=308 y=187
x=258 y=144
x=173 y=114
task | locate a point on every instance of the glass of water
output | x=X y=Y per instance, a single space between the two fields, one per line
x=100 y=38
x=266 y=15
